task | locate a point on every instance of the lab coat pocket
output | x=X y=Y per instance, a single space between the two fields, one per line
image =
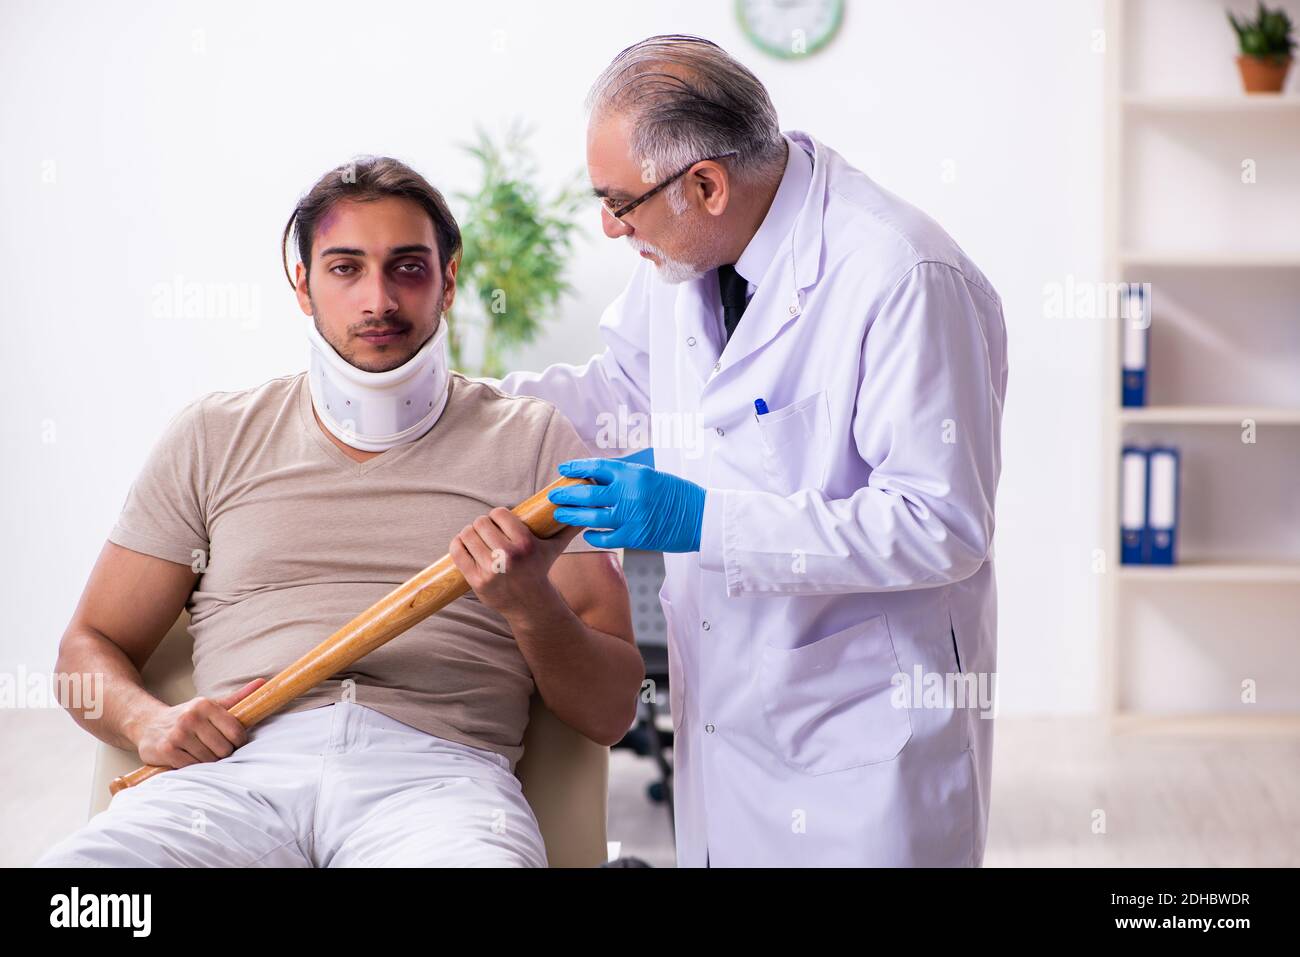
x=829 y=704
x=793 y=439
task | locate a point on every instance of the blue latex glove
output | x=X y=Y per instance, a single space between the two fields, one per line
x=642 y=507
x=645 y=457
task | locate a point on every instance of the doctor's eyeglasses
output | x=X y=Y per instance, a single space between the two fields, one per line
x=618 y=212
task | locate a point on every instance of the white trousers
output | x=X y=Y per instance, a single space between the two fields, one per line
x=338 y=786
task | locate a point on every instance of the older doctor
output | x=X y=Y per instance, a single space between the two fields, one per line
x=839 y=365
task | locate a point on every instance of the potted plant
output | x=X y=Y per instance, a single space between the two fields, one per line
x=516 y=245
x=1266 y=46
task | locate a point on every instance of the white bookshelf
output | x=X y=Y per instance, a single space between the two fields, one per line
x=1240 y=103
x=1223 y=258
x=1209 y=260
x=1217 y=572
x=1210 y=415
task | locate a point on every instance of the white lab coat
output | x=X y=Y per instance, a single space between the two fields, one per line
x=847 y=535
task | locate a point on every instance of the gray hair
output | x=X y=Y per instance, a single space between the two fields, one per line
x=688 y=100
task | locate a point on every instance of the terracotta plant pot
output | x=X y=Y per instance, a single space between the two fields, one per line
x=1263 y=76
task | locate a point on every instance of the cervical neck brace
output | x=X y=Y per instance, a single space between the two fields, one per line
x=376 y=411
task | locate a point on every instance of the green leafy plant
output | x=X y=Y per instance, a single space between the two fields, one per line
x=516 y=245
x=1267 y=37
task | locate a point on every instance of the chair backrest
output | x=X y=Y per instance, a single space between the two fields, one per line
x=565 y=775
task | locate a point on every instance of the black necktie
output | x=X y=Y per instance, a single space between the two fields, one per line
x=733 y=287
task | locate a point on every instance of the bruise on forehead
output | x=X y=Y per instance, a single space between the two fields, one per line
x=327 y=221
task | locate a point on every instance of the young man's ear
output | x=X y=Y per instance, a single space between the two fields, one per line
x=300 y=288
x=449 y=283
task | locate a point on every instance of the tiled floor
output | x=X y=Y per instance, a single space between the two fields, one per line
x=1212 y=800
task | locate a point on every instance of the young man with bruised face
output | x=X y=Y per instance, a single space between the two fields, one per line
x=308 y=498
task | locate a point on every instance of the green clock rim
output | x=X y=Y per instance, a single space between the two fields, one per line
x=781 y=53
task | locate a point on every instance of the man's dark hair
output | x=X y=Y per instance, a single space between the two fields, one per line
x=362 y=180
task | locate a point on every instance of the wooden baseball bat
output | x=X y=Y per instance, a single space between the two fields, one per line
x=406 y=605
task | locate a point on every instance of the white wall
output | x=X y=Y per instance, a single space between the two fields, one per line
x=177 y=140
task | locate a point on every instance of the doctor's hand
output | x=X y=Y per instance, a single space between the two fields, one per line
x=645 y=457
x=641 y=506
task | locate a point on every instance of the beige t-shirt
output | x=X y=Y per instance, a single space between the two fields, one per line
x=294 y=539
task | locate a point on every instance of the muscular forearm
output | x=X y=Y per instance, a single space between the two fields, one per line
x=120 y=702
x=587 y=678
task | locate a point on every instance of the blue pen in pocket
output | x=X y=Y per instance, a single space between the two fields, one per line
x=760 y=407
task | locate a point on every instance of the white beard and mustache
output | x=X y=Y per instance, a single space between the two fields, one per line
x=671 y=270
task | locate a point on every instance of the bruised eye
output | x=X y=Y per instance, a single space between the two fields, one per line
x=414 y=268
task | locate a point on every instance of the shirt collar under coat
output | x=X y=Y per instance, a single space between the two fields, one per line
x=778 y=225
x=793 y=264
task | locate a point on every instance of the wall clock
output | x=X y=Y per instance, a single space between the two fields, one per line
x=790 y=29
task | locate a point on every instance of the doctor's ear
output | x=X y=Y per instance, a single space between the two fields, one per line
x=711 y=186
x=300 y=289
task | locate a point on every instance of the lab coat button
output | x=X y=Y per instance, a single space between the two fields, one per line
x=717 y=366
x=721 y=432
x=705 y=626
x=690 y=340
x=708 y=728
